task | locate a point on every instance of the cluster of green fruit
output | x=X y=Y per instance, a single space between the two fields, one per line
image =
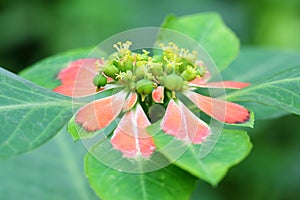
x=170 y=67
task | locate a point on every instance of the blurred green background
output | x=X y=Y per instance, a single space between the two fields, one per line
x=34 y=29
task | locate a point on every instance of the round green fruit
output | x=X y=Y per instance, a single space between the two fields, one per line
x=111 y=71
x=144 y=86
x=188 y=75
x=99 y=80
x=173 y=82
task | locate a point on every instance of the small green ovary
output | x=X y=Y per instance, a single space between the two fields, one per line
x=144 y=86
x=99 y=80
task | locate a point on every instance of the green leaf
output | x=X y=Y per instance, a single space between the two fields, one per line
x=29 y=115
x=208 y=30
x=280 y=91
x=53 y=171
x=231 y=148
x=254 y=64
x=44 y=72
x=169 y=183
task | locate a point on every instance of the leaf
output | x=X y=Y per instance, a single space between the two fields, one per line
x=54 y=171
x=254 y=64
x=30 y=115
x=280 y=91
x=168 y=183
x=44 y=72
x=231 y=148
x=208 y=30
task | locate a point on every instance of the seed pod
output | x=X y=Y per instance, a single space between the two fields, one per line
x=111 y=71
x=99 y=80
x=173 y=82
x=144 y=86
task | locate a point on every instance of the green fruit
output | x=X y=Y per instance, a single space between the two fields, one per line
x=127 y=66
x=188 y=75
x=111 y=71
x=173 y=82
x=144 y=86
x=99 y=80
x=117 y=64
x=183 y=66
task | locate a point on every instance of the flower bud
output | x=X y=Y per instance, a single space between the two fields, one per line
x=99 y=80
x=174 y=82
x=111 y=71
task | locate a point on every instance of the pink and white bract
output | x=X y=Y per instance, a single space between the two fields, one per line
x=146 y=81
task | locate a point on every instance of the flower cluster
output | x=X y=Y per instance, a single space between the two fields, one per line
x=147 y=79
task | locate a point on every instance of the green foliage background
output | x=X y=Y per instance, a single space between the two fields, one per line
x=32 y=30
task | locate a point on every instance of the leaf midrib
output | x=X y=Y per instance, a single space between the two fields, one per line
x=8 y=140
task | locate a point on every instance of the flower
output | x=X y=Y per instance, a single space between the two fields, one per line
x=147 y=80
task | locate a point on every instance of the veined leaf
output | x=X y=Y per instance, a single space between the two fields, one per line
x=280 y=91
x=53 y=171
x=30 y=115
x=231 y=148
x=169 y=183
x=208 y=30
x=254 y=64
